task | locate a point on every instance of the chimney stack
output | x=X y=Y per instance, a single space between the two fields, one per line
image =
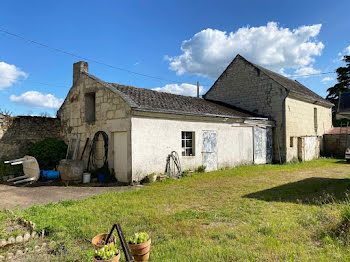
x=198 y=89
x=78 y=68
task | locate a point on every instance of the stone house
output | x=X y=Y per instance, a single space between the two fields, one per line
x=145 y=126
x=301 y=116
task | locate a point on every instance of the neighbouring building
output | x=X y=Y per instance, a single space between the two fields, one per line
x=145 y=126
x=301 y=116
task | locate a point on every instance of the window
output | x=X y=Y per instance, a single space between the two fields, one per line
x=291 y=141
x=187 y=143
x=90 y=109
x=315 y=119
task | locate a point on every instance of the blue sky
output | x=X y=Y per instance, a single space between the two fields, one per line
x=185 y=41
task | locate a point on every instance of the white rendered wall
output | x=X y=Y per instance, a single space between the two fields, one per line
x=153 y=139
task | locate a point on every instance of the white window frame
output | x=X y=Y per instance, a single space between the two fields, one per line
x=184 y=140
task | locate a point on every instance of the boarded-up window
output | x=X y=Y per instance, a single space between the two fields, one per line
x=315 y=119
x=187 y=143
x=90 y=107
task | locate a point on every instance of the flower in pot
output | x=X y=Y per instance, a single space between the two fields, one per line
x=140 y=245
x=108 y=253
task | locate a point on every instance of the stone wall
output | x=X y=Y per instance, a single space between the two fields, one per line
x=246 y=87
x=334 y=145
x=18 y=133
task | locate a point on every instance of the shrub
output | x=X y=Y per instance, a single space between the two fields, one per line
x=201 y=169
x=48 y=152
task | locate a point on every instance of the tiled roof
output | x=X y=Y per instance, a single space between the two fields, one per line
x=293 y=85
x=153 y=101
x=338 y=131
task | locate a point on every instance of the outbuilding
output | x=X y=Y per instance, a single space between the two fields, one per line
x=145 y=126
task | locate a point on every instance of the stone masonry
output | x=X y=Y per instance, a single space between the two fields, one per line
x=18 y=133
x=111 y=113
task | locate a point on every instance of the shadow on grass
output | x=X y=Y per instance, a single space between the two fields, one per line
x=343 y=162
x=312 y=191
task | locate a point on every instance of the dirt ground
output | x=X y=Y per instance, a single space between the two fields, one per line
x=23 y=197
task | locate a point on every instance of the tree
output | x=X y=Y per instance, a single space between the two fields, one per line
x=343 y=85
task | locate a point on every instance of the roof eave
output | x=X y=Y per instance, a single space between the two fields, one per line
x=197 y=114
x=303 y=97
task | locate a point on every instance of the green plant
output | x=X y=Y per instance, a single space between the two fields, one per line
x=139 y=238
x=107 y=252
x=294 y=160
x=48 y=152
x=7 y=169
x=201 y=169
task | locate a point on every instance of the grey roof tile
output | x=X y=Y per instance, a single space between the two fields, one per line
x=155 y=101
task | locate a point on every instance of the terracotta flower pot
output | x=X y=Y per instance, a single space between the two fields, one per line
x=115 y=259
x=140 y=252
x=98 y=241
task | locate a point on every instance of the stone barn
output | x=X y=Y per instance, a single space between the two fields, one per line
x=301 y=116
x=145 y=126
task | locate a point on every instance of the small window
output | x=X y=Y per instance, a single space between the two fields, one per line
x=291 y=141
x=315 y=119
x=187 y=143
x=90 y=107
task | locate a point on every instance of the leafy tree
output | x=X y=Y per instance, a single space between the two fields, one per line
x=343 y=85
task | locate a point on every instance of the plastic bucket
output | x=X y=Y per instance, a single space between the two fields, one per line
x=86 y=178
x=101 y=178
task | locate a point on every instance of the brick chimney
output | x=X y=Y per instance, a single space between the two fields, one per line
x=78 y=68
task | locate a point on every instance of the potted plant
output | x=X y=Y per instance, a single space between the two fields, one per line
x=140 y=245
x=108 y=253
x=99 y=240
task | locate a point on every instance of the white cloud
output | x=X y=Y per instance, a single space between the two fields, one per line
x=35 y=99
x=9 y=74
x=347 y=50
x=208 y=52
x=327 y=79
x=183 y=89
x=305 y=71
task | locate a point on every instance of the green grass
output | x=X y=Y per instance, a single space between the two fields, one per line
x=248 y=213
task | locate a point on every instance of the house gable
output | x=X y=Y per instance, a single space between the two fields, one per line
x=245 y=86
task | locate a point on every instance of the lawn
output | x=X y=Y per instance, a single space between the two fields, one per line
x=248 y=213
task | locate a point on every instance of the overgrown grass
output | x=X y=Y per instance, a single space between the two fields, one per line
x=248 y=213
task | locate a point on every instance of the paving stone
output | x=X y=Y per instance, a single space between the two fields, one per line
x=26 y=237
x=19 y=252
x=9 y=255
x=37 y=249
x=19 y=239
x=11 y=240
x=3 y=242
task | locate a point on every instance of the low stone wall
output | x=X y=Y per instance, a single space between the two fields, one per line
x=18 y=133
x=334 y=145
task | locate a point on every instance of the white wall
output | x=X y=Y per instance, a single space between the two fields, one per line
x=153 y=139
